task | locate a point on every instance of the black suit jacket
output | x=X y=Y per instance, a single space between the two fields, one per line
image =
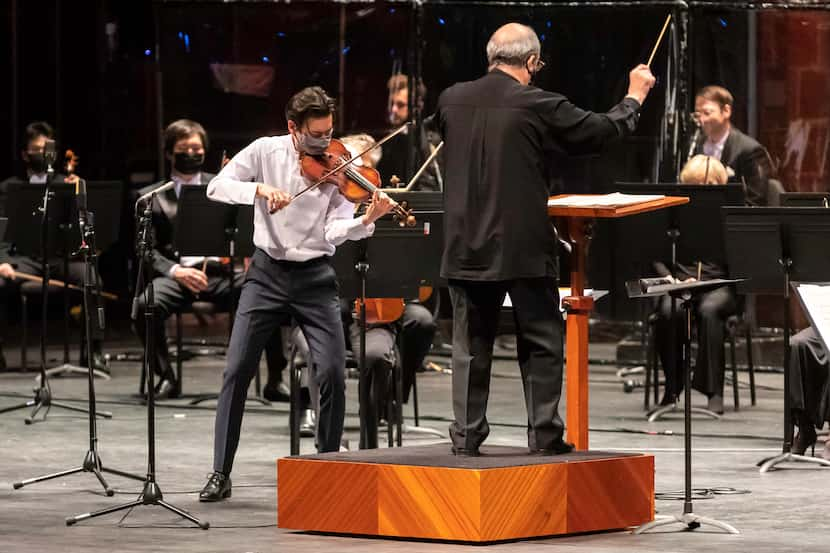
x=499 y=136
x=750 y=163
x=165 y=209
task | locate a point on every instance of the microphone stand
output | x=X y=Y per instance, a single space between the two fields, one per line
x=43 y=399
x=92 y=461
x=151 y=493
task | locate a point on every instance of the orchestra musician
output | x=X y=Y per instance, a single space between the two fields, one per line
x=711 y=309
x=745 y=159
x=13 y=261
x=809 y=389
x=290 y=274
x=499 y=132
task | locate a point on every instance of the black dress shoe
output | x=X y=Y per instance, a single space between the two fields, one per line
x=218 y=487
x=461 y=452
x=277 y=392
x=167 y=389
x=308 y=424
x=558 y=448
x=99 y=363
x=805 y=438
x=668 y=399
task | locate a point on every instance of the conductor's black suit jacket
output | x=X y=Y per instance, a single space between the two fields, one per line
x=499 y=136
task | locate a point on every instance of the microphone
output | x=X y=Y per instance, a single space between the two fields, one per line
x=163 y=188
x=50 y=153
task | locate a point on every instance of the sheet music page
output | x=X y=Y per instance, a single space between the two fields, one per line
x=816 y=300
x=603 y=200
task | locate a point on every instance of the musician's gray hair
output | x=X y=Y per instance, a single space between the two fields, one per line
x=514 y=47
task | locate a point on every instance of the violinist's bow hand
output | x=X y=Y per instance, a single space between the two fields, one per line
x=381 y=205
x=276 y=198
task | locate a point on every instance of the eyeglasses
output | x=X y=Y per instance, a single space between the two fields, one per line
x=539 y=65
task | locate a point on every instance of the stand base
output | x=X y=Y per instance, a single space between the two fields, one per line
x=68 y=368
x=769 y=463
x=43 y=400
x=422 y=431
x=426 y=492
x=92 y=463
x=151 y=495
x=658 y=413
x=690 y=520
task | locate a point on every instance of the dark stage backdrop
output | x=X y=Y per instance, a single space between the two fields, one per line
x=90 y=68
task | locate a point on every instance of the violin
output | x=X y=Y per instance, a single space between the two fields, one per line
x=356 y=183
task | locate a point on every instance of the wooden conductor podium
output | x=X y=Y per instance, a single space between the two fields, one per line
x=579 y=215
x=425 y=492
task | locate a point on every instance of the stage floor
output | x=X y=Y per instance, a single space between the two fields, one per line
x=782 y=512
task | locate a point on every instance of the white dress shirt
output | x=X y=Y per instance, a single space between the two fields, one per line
x=310 y=226
x=715 y=149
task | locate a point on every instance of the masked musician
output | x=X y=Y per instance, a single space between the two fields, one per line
x=290 y=274
x=13 y=261
x=499 y=133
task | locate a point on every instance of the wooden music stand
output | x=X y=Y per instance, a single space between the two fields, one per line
x=579 y=218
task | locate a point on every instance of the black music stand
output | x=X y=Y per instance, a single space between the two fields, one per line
x=787 y=244
x=24 y=201
x=705 y=242
x=381 y=267
x=805 y=199
x=685 y=293
x=192 y=237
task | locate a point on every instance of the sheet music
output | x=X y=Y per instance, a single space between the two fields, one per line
x=816 y=301
x=603 y=200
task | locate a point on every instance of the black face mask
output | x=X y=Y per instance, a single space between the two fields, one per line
x=187 y=163
x=36 y=162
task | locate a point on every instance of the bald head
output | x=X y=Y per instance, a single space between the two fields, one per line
x=512 y=44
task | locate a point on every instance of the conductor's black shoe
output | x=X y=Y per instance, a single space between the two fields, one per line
x=278 y=392
x=218 y=487
x=461 y=452
x=558 y=448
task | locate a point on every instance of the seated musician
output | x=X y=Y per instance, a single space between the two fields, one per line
x=809 y=389
x=396 y=160
x=179 y=281
x=747 y=161
x=14 y=263
x=710 y=310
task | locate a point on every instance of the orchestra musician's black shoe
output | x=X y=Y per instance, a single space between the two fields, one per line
x=308 y=424
x=99 y=363
x=276 y=392
x=805 y=438
x=167 y=389
x=218 y=487
x=461 y=452
x=715 y=404
x=558 y=447
x=668 y=399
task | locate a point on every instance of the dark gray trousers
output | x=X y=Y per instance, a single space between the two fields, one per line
x=274 y=291
x=539 y=330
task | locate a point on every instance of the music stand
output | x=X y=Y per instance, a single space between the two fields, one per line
x=704 y=242
x=684 y=292
x=192 y=237
x=805 y=199
x=25 y=199
x=380 y=267
x=787 y=244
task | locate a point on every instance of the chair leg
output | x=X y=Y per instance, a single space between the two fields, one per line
x=415 y=400
x=750 y=365
x=294 y=403
x=735 y=392
x=24 y=343
x=179 y=351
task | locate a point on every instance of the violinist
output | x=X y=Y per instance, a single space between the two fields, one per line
x=14 y=261
x=497 y=234
x=290 y=274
